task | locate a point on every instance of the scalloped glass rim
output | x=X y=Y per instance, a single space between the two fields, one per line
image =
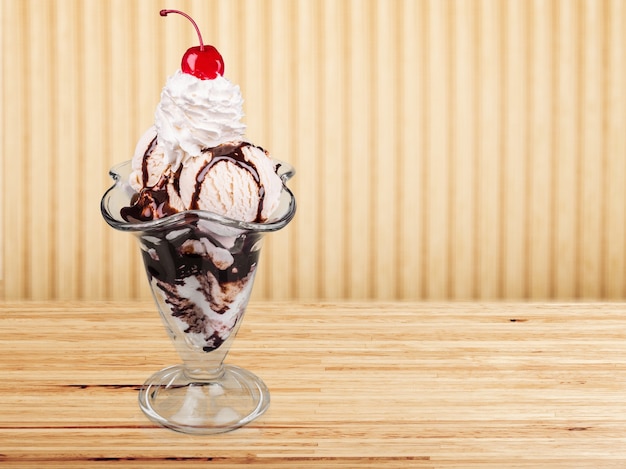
x=120 y=193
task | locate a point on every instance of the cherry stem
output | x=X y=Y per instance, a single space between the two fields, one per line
x=165 y=12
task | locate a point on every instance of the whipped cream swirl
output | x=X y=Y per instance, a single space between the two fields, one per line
x=196 y=114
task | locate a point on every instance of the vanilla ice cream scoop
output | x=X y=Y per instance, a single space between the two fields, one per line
x=236 y=179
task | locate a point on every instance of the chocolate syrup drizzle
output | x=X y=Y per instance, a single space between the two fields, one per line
x=153 y=202
x=144 y=162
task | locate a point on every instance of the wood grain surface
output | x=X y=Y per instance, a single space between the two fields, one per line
x=445 y=150
x=394 y=385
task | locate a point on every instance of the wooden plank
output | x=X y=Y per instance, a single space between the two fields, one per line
x=567 y=148
x=360 y=157
x=614 y=285
x=385 y=256
x=334 y=164
x=94 y=148
x=540 y=156
x=15 y=144
x=283 y=144
x=308 y=185
x=464 y=153
x=438 y=151
x=517 y=147
x=489 y=187
x=412 y=274
x=353 y=385
x=591 y=170
x=71 y=132
x=41 y=170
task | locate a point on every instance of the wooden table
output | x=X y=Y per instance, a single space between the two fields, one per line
x=427 y=385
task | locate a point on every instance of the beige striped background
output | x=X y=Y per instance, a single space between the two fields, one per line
x=468 y=149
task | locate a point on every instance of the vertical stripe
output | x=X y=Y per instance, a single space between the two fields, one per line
x=490 y=92
x=539 y=177
x=360 y=157
x=15 y=145
x=463 y=154
x=566 y=148
x=515 y=151
x=438 y=149
x=615 y=208
x=279 y=116
x=411 y=174
x=385 y=147
x=307 y=183
x=591 y=152
x=331 y=157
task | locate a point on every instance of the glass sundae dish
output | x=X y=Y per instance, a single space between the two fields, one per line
x=199 y=199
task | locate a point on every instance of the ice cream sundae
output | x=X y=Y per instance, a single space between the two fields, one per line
x=193 y=161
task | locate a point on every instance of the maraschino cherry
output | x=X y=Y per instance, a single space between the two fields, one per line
x=203 y=62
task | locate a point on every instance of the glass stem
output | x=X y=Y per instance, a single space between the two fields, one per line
x=204 y=374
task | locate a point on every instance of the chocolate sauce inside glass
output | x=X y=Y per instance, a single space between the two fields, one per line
x=170 y=264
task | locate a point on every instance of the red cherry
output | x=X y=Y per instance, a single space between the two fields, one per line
x=203 y=62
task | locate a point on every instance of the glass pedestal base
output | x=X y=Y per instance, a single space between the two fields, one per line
x=188 y=403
